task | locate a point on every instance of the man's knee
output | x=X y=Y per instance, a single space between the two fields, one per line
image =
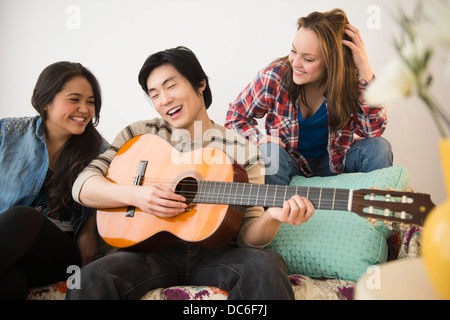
x=266 y=261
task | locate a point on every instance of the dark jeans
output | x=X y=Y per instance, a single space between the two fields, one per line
x=245 y=273
x=33 y=252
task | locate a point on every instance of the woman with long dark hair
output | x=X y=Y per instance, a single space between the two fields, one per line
x=42 y=230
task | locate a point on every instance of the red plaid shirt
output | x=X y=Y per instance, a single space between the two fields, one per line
x=265 y=96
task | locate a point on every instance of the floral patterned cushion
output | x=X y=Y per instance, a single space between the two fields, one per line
x=304 y=288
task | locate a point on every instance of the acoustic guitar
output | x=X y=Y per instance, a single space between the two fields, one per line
x=217 y=191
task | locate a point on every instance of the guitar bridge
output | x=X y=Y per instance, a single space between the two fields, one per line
x=190 y=206
x=137 y=181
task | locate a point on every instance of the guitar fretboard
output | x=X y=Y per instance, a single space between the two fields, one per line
x=249 y=194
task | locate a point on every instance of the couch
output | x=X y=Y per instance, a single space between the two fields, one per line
x=325 y=256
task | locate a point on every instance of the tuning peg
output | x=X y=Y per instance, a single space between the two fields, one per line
x=372 y=220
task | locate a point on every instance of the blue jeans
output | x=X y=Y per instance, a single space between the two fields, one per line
x=365 y=155
x=245 y=273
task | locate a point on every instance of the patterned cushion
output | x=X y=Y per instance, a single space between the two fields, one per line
x=186 y=293
x=304 y=288
x=338 y=244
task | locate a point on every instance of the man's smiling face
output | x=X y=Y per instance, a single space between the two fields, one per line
x=175 y=99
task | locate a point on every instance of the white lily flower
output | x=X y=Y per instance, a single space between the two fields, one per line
x=395 y=82
x=408 y=72
x=414 y=51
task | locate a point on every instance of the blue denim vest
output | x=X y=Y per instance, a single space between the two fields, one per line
x=24 y=162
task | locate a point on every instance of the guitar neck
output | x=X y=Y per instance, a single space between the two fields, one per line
x=249 y=194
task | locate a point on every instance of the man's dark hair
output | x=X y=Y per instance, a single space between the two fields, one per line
x=186 y=63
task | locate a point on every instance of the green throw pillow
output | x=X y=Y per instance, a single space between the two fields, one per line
x=338 y=244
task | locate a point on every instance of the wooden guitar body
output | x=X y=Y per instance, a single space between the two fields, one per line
x=209 y=225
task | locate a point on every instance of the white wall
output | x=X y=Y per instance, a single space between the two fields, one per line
x=232 y=39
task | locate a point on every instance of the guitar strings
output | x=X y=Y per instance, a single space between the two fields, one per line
x=270 y=198
x=339 y=200
x=213 y=196
x=169 y=183
x=208 y=196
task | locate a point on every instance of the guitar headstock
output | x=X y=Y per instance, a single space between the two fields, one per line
x=396 y=206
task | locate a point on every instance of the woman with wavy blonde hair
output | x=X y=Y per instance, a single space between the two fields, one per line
x=314 y=106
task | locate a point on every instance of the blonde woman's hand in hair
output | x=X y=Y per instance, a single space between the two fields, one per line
x=359 y=52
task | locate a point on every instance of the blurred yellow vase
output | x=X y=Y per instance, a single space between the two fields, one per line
x=436 y=234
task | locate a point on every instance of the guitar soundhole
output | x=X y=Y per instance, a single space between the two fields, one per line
x=187 y=187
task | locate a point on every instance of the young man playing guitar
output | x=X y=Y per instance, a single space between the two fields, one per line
x=179 y=90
